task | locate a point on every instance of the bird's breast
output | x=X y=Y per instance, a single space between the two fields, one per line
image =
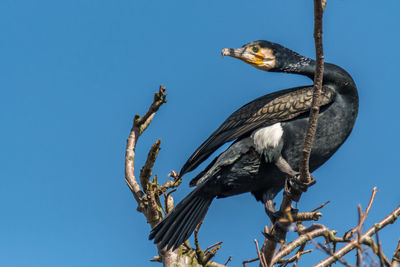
x=267 y=137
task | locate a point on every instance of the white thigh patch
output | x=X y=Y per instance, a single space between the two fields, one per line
x=267 y=137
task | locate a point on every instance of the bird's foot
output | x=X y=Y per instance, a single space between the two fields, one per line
x=294 y=187
x=279 y=216
x=280 y=220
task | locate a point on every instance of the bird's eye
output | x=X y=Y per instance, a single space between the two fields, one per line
x=255 y=49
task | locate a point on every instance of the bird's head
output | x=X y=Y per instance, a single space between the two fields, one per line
x=265 y=55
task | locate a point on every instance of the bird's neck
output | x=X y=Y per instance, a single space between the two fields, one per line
x=333 y=74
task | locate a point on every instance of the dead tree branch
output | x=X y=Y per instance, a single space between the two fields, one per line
x=294 y=258
x=312 y=122
x=377 y=249
x=280 y=232
x=139 y=125
x=316 y=231
x=365 y=214
x=260 y=255
x=148 y=196
x=396 y=257
x=391 y=218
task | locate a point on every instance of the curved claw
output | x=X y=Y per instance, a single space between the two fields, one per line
x=294 y=187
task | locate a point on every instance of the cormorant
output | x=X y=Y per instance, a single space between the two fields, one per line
x=269 y=134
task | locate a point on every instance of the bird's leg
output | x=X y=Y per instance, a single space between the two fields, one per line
x=284 y=167
x=269 y=205
x=278 y=218
x=273 y=215
x=293 y=186
x=268 y=196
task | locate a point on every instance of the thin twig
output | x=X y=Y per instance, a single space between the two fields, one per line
x=216 y=244
x=250 y=261
x=203 y=257
x=396 y=256
x=301 y=249
x=301 y=240
x=380 y=252
x=168 y=201
x=329 y=252
x=383 y=260
x=391 y=218
x=262 y=262
x=196 y=237
x=374 y=190
x=229 y=259
x=321 y=206
x=294 y=257
x=359 y=252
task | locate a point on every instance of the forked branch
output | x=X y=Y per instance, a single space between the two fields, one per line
x=139 y=125
x=365 y=238
x=148 y=196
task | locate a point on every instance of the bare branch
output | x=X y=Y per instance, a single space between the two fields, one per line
x=391 y=218
x=377 y=249
x=301 y=249
x=262 y=260
x=312 y=122
x=302 y=240
x=212 y=246
x=249 y=261
x=148 y=199
x=147 y=169
x=229 y=259
x=307 y=216
x=396 y=256
x=210 y=255
x=323 y=5
x=199 y=253
x=295 y=257
x=329 y=252
x=359 y=252
x=168 y=201
x=361 y=222
x=139 y=125
x=280 y=232
x=321 y=206
x=159 y=100
x=156 y=259
x=203 y=257
x=382 y=257
x=177 y=180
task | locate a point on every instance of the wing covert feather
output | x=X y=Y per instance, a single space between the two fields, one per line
x=263 y=111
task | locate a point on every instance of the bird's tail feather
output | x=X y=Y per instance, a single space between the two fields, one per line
x=179 y=224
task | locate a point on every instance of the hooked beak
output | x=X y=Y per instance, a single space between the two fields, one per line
x=243 y=54
x=237 y=53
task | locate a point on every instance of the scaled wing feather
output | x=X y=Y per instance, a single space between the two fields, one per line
x=263 y=111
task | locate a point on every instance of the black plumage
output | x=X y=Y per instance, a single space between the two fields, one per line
x=269 y=135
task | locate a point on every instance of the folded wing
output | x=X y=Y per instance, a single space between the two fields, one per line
x=263 y=111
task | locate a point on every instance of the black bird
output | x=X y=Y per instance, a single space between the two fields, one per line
x=269 y=134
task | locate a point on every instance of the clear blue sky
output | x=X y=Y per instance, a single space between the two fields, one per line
x=74 y=73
